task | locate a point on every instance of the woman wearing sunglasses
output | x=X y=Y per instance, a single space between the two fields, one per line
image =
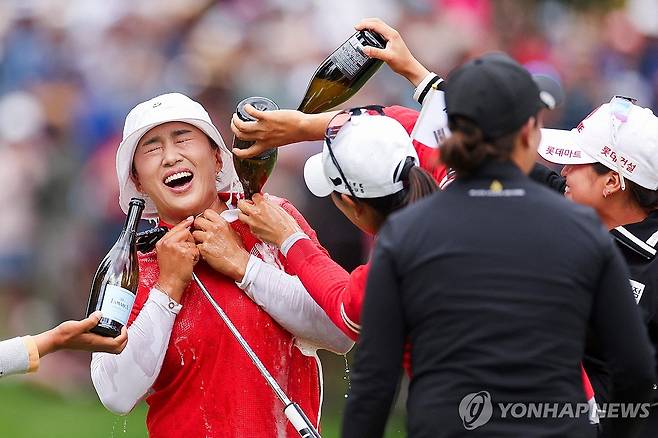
x=496 y=300
x=611 y=164
x=369 y=168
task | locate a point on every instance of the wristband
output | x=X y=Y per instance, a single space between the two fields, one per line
x=291 y=240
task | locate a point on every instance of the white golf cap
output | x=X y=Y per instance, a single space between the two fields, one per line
x=172 y=107
x=371 y=150
x=634 y=155
x=562 y=147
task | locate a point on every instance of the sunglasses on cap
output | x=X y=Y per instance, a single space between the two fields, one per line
x=620 y=108
x=334 y=126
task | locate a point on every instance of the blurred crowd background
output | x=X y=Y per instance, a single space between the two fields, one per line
x=70 y=70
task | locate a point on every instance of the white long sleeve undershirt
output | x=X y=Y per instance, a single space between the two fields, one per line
x=286 y=300
x=18 y=356
x=124 y=379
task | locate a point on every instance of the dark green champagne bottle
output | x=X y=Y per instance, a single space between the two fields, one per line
x=115 y=283
x=342 y=74
x=253 y=172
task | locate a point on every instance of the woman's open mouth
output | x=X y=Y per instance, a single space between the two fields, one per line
x=179 y=181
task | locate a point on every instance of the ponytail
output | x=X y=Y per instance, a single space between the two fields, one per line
x=467 y=148
x=417 y=183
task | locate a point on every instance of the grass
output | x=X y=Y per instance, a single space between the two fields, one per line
x=31 y=412
x=27 y=411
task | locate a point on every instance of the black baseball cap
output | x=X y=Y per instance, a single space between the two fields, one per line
x=498 y=94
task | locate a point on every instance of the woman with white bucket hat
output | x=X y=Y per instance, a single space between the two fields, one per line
x=196 y=378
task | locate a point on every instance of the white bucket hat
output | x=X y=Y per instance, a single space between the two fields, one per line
x=371 y=150
x=634 y=154
x=172 y=107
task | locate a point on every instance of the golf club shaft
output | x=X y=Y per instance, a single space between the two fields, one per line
x=292 y=410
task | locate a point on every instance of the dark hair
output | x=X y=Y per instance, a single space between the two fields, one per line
x=647 y=199
x=467 y=148
x=418 y=183
x=213 y=143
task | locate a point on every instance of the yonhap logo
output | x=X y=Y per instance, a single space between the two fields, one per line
x=475 y=409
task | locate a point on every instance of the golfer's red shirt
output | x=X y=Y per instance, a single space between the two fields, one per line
x=207 y=386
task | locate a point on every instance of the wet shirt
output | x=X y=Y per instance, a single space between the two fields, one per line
x=207 y=386
x=496 y=297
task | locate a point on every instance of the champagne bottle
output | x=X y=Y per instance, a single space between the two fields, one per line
x=115 y=283
x=343 y=73
x=253 y=172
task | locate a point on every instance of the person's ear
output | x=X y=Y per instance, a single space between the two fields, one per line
x=355 y=206
x=526 y=133
x=612 y=183
x=219 y=164
x=135 y=179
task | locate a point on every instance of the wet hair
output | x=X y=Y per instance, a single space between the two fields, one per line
x=417 y=183
x=647 y=199
x=468 y=148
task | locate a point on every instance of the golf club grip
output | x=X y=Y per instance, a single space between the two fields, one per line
x=300 y=421
x=146 y=240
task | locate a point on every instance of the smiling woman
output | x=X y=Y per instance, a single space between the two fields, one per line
x=611 y=164
x=199 y=381
x=166 y=161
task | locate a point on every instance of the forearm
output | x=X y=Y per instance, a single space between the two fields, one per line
x=415 y=72
x=314 y=126
x=18 y=356
x=324 y=279
x=122 y=380
x=286 y=300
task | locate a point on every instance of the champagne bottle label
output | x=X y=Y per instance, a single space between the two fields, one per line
x=117 y=303
x=349 y=58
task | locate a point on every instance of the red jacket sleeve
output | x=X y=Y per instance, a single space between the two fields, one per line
x=337 y=292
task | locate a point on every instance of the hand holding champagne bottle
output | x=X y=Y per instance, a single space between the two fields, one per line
x=115 y=284
x=253 y=172
x=396 y=53
x=343 y=73
x=272 y=129
x=74 y=335
x=278 y=128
